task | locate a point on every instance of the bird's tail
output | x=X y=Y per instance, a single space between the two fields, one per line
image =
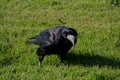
x=31 y=41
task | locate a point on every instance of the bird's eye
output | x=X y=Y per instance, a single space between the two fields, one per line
x=64 y=34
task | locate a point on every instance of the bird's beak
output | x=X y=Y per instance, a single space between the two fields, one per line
x=71 y=38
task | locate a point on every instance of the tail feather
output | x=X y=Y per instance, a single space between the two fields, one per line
x=32 y=41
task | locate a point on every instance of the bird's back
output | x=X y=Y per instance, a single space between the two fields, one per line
x=47 y=37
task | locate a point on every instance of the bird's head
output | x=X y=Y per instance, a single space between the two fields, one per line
x=70 y=34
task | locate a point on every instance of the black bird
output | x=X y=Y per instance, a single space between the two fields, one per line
x=57 y=40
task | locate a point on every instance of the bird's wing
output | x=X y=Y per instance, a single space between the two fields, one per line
x=44 y=39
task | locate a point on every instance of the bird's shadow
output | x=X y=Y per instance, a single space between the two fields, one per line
x=86 y=59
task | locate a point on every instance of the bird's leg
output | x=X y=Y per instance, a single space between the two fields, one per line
x=41 y=53
x=41 y=58
x=62 y=57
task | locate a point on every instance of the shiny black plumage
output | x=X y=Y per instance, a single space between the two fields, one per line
x=54 y=41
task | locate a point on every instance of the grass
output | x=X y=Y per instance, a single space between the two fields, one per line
x=96 y=55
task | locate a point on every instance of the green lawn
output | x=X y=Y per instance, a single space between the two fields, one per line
x=96 y=55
